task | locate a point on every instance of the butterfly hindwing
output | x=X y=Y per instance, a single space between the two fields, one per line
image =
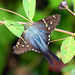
x=23 y=45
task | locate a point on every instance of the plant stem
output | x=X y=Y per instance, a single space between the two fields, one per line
x=1 y=22
x=70 y=11
x=59 y=30
x=58 y=40
x=63 y=31
x=14 y=13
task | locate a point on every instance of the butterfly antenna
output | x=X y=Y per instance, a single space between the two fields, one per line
x=15 y=13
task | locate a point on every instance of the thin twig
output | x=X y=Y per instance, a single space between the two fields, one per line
x=22 y=22
x=57 y=40
x=14 y=13
x=2 y=22
x=63 y=31
x=70 y=11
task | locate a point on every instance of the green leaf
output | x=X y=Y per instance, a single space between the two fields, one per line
x=73 y=1
x=54 y=4
x=16 y=28
x=73 y=71
x=29 y=7
x=68 y=49
x=68 y=68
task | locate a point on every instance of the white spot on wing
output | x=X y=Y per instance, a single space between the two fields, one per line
x=50 y=22
x=48 y=39
x=48 y=35
x=45 y=22
x=48 y=42
x=54 y=16
x=22 y=45
x=48 y=28
x=32 y=49
x=18 y=43
x=27 y=45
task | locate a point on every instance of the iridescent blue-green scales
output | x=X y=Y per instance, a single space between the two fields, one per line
x=37 y=36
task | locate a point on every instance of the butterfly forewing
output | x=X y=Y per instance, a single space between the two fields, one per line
x=44 y=26
x=48 y=24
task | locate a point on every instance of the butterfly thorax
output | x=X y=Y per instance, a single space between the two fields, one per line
x=36 y=38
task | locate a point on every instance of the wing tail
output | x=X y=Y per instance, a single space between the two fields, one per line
x=47 y=55
x=48 y=58
x=53 y=55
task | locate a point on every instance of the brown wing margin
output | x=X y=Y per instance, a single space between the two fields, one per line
x=23 y=46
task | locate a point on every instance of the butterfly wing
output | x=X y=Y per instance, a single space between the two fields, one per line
x=24 y=45
x=46 y=25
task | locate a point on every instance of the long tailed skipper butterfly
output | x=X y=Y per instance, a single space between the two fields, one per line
x=36 y=37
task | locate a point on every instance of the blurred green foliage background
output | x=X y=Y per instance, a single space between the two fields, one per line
x=31 y=63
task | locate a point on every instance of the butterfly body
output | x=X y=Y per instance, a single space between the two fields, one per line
x=36 y=37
